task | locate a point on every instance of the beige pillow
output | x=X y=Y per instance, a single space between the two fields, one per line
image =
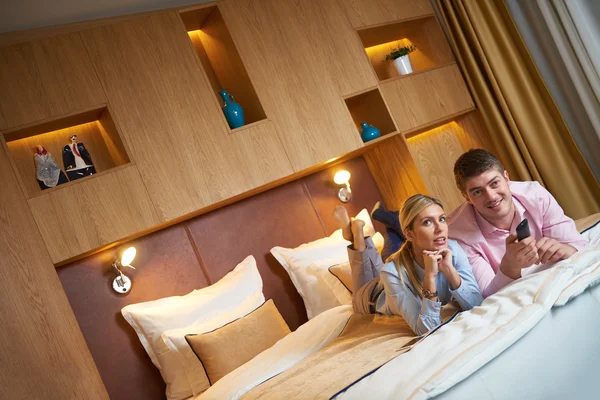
x=343 y=273
x=226 y=348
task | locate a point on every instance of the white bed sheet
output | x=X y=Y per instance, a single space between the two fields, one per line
x=557 y=359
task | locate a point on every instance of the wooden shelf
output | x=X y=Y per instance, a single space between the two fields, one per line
x=220 y=59
x=94 y=128
x=423 y=71
x=369 y=107
x=424 y=32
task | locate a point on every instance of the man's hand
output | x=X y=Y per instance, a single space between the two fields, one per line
x=519 y=255
x=550 y=250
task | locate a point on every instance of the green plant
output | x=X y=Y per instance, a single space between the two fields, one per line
x=400 y=52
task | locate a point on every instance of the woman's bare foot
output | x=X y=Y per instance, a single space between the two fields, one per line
x=357 y=227
x=341 y=216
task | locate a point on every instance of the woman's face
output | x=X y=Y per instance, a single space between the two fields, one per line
x=429 y=229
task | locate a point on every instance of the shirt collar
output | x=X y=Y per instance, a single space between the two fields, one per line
x=487 y=228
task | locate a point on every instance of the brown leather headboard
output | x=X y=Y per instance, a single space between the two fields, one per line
x=196 y=253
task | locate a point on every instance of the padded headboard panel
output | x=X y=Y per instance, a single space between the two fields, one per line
x=196 y=253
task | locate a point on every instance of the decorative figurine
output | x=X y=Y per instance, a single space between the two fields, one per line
x=369 y=132
x=234 y=114
x=48 y=172
x=78 y=162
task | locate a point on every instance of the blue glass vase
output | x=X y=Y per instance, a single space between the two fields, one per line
x=234 y=114
x=369 y=132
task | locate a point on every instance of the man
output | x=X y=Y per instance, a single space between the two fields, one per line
x=485 y=225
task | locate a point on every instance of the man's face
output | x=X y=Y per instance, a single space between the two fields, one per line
x=490 y=195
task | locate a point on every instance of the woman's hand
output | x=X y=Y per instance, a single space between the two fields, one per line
x=446 y=263
x=447 y=268
x=431 y=260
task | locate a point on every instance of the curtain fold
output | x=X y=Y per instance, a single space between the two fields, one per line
x=562 y=37
x=522 y=119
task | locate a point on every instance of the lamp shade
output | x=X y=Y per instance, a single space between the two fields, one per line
x=341 y=177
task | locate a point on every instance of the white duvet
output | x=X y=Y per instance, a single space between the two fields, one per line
x=442 y=359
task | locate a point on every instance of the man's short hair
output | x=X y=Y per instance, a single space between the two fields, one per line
x=474 y=163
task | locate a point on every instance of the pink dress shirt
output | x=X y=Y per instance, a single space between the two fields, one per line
x=485 y=244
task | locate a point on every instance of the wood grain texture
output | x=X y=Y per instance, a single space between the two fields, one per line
x=46 y=78
x=434 y=153
x=43 y=353
x=173 y=125
x=205 y=61
x=228 y=67
x=302 y=58
x=395 y=172
x=372 y=12
x=112 y=139
x=425 y=33
x=426 y=97
x=369 y=107
x=93 y=213
x=102 y=142
x=472 y=133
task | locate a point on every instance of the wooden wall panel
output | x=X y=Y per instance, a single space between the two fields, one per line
x=301 y=82
x=424 y=98
x=171 y=122
x=434 y=153
x=46 y=78
x=43 y=353
x=394 y=171
x=472 y=133
x=112 y=140
x=372 y=12
x=92 y=213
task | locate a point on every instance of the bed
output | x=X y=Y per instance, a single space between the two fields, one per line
x=533 y=339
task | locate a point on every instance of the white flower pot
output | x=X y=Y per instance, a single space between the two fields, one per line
x=403 y=66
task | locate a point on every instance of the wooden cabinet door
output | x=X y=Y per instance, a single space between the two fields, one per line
x=46 y=78
x=43 y=353
x=429 y=97
x=376 y=12
x=171 y=120
x=303 y=57
x=90 y=214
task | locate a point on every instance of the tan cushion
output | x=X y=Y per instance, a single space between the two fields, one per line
x=343 y=273
x=587 y=222
x=224 y=349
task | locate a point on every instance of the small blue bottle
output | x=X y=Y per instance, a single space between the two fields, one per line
x=369 y=132
x=234 y=114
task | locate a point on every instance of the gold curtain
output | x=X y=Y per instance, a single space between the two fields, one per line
x=524 y=123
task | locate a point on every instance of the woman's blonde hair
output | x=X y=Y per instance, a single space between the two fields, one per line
x=405 y=256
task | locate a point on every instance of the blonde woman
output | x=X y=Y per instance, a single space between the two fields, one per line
x=426 y=273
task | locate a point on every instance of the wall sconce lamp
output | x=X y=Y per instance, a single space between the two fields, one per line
x=122 y=284
x=343 y=178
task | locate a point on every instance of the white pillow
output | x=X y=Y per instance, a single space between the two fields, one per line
x=307 y=266
x=175 y=340
x=151 y=319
